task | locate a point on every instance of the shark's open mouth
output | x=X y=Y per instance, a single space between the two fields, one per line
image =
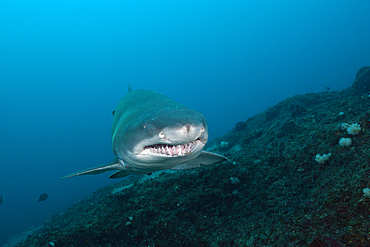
x=172 y=150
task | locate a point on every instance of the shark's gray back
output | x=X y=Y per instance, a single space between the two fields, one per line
x=137 y=105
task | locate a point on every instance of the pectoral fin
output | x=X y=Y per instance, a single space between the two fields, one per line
x=205 y=158
x=120 y=174
x=113 y=165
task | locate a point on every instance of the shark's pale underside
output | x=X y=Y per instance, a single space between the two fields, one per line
x=151 y=132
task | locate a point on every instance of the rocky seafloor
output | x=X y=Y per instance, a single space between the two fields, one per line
x=271 y=192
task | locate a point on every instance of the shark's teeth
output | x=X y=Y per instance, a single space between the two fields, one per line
x=172 y=150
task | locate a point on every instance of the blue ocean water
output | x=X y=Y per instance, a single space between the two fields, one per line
x=64 y=66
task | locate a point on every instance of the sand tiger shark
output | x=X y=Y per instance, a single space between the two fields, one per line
x=152 y=132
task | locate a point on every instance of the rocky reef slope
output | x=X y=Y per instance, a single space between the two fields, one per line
x=272 y=192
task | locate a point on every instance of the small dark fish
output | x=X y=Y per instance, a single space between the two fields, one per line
x=42 y=197
x=2 y=199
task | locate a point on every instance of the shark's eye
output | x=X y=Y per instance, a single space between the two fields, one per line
x=161 y=135
x=144 y=125
x=202 y=129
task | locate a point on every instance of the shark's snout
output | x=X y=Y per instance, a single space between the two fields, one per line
x=185 y=133
x=190 y=130
x=179 y=140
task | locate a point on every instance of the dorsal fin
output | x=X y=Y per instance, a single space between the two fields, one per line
x=129 y=88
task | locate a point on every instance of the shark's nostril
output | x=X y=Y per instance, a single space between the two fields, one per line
x=187 y=128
